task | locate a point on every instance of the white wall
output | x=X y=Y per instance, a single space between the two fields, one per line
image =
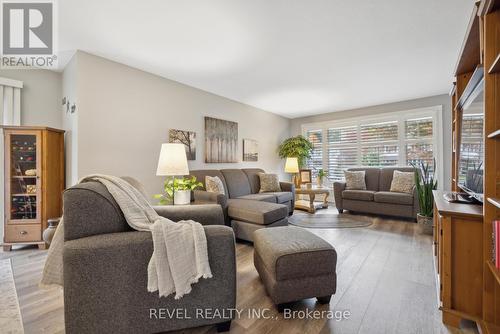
x=443 y=100
x=124 y=115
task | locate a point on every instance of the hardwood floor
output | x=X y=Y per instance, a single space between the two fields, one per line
x=385 y=281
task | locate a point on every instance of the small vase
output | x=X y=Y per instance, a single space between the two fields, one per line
x=425 y=224
x=49 y=232
x=319 y=180
x=182 y=197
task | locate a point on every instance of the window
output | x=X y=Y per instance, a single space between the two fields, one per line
x=472 y=144
x=396 y=139
x=315 y=162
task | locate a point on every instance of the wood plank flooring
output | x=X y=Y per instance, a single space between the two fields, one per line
x=385 y=281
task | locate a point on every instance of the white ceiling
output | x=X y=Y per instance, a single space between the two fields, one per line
x=294 y=58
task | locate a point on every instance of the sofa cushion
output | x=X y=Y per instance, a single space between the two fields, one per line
x=237 y=183
x=386 y=174
x=403 y=182
x=282 y=196
x=393 y=198
x=213 y=184
x=269 y=183
x=355 y=180
x=371 y=177
x=291 y=252
x=260 y=197
x=201 y=173
x=360 y=195
x=253 y=178
x=256 y=212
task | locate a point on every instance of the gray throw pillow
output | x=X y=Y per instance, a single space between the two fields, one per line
x=403 y=182
x=269 y=183
x=355 y=180
x=213 y=184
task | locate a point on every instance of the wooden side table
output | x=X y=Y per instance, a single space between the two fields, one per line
x=311 y=206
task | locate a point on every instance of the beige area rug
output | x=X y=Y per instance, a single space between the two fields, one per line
x=10 y=314
x=329 y=220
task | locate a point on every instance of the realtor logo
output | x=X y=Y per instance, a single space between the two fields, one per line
x=28 y=34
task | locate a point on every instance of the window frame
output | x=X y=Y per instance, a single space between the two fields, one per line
x=435 y=112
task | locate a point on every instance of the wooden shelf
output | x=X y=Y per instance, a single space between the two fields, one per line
x=494 y=271
x=494 y=201
x=495 y=67
x=24 y=177
x=494 y=134
x=23 y=194
x=469 y=55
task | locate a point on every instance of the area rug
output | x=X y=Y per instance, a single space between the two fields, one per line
x=329 y=220
x=10 y=314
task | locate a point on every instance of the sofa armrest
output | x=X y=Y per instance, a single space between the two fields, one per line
x=112 y=271
x=289 y=186
x=204 y=197
x=338 y=188
x=416 y=203
x=205 y=214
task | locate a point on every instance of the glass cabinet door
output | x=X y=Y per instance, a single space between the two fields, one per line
x=23 y=174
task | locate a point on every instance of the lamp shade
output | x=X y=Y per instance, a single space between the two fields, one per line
x=291 y=165
x=172 y=160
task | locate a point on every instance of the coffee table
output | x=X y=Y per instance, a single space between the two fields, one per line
x=311 y=205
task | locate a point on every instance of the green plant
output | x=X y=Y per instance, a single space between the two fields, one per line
x=298 y=147
x=425 y=184
x=322 y=173
x=172 y=185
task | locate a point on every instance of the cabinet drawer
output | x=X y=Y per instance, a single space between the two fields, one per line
x=23 y=233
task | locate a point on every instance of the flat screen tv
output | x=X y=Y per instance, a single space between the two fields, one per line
x=471 y=149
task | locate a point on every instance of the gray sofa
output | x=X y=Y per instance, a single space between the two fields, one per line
x=105 y=268
x=377 y=198
x=245 y=209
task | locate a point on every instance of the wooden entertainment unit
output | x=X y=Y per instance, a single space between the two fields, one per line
x=469 y=281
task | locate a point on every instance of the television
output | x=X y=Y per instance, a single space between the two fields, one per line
x=471 y=141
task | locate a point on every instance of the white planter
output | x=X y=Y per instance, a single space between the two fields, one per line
x=182 y=197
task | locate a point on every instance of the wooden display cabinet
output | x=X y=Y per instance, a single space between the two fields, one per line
x=34 y=181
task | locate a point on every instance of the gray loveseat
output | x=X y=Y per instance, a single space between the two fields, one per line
x=377 y=198
x=105 y=268
x=245 y=209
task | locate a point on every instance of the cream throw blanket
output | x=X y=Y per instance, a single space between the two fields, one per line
x=180 y=254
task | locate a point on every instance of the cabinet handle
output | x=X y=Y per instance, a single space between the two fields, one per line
x=23 y=232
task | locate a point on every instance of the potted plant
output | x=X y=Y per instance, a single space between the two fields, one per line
x=179 y=190
x=321 y=175
x=297 y=146
x=425 y=184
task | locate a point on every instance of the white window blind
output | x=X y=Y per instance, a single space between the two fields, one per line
x=396 y=139
x=315 y=162
x=419 y=141
x=342 y=147
x=379 y=144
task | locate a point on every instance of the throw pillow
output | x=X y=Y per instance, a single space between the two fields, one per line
x=403 y=182
x=213 y=184
x=269 y=183
x=355 y=180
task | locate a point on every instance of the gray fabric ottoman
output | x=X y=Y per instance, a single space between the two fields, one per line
x=248 y=216
x=295 y=264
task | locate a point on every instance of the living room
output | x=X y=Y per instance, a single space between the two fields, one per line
x=260 y=167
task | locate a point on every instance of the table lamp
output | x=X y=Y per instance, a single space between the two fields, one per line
x=292 y=166
x=172 y=162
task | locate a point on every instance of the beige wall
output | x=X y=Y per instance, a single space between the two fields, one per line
x=124 y=115
x=443 y=100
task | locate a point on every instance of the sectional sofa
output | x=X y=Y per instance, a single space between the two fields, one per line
x=377 y=198
x=244 y=207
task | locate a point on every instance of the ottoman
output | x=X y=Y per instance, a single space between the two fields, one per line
x=247 y=216
x=295 y=264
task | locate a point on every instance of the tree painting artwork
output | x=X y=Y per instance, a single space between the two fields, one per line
x=250 y=150
x=221 y=140
x=188 y=138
